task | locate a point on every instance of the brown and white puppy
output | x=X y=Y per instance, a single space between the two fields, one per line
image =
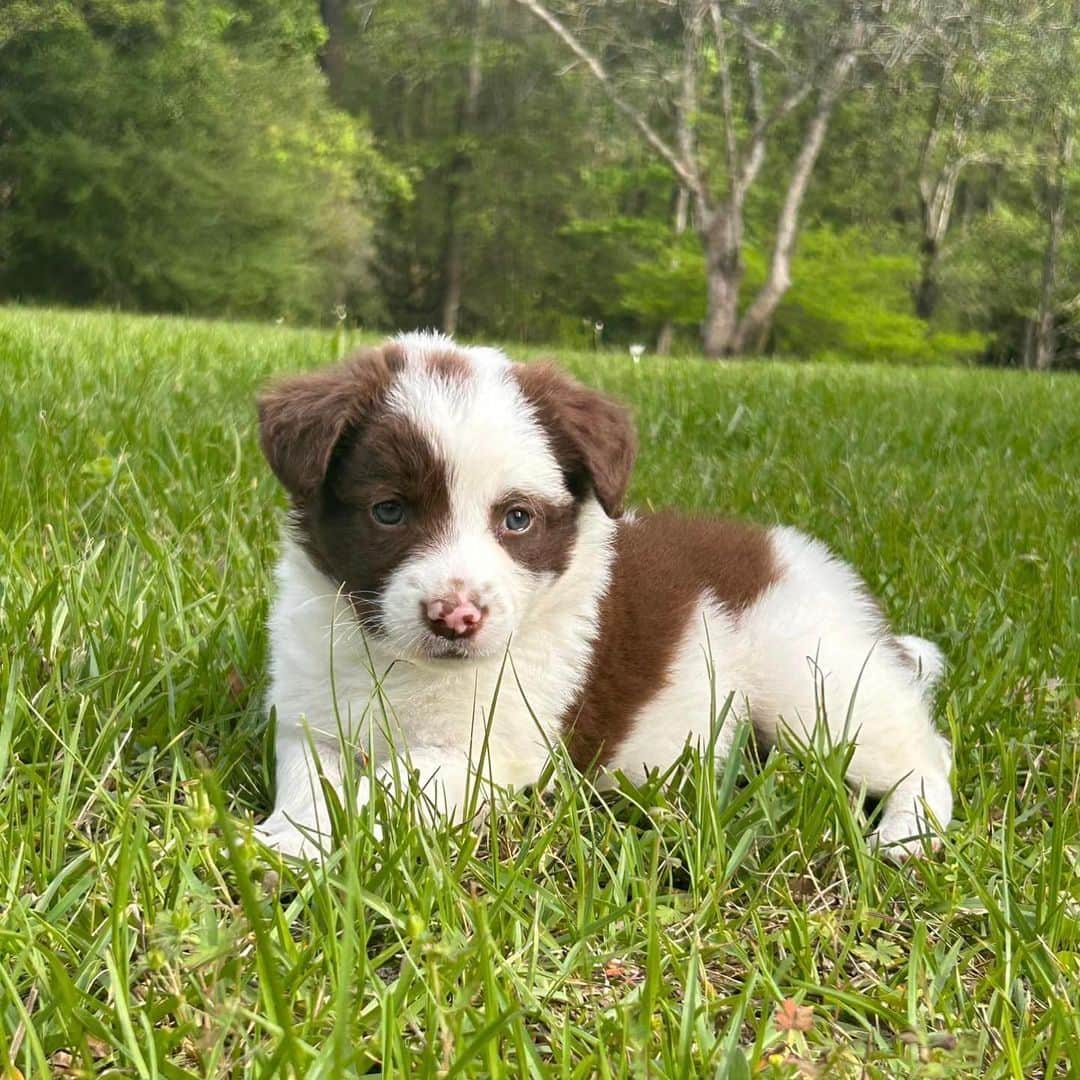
x=457 y=517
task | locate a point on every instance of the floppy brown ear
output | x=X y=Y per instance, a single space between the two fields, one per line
x=302 y=418
x=592 y=435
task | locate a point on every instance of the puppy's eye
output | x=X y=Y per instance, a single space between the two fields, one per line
x=388 y=512
x=517 y=520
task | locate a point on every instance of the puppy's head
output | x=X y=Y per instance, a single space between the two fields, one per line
x=442 y=488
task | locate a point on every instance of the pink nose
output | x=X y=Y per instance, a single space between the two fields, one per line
x=454 y=616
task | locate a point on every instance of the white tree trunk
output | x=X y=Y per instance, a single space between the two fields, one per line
x=754 y=327
x=723 y=240
x=720 y=221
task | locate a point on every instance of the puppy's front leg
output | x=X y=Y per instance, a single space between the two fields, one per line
x=300 y=823
x=443 y=780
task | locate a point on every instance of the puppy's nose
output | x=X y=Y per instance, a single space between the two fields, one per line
x=454 y=616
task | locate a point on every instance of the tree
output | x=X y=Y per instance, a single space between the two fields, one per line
x=682 y=214
x=767 y=71
x=960 y=100
x=1055 y=174
x=463 y=97
x=181 y=157
x=454 y=260
x=1056 y=98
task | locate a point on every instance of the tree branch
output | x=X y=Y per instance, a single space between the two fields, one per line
x=754 y=324
x=731 y=150
x=685 y=171
x=687 y=107
x=755 y=42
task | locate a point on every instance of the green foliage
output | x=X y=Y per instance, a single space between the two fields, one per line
x=503 y=183
x=289 y=158
x=647 y=933
x=182 y=156
x=630 y=269
x=993 y=274
x=851 y=297
x=669 y=284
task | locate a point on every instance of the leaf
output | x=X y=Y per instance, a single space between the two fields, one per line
x=61 y=1063
x=790 y=1061
x=791 y=1016
x=236 y=684
x=620 y=971
x=98 y=1048
x=943 y=1040
x=736 y=1067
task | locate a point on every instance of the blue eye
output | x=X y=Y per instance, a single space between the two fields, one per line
x=388 y=512
x=517 y=520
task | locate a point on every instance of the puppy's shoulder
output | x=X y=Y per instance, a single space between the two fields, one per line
x=687 y=555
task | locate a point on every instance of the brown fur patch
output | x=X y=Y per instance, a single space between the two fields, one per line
x=388 y=459
x=592 y=436
x=337 y=451
x=663 y=565
x=546 y=546
x=303 y=418
x=448 y=365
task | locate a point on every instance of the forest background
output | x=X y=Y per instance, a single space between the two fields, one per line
x=845 y=179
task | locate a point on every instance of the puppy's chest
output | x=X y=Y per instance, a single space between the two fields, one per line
x=525 y=694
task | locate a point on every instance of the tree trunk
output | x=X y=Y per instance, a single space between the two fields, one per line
x=722 y=238
x=755 y=325
x=937 y=194
x=720 y=226
x=1044 y=347
x=332 y=58
x=665 y=338
x=454 y=260
x=682 y=207
x=926 y=292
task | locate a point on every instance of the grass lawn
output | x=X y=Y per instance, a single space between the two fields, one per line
x=658 y=933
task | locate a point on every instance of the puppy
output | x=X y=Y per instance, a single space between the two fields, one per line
x=457 y=587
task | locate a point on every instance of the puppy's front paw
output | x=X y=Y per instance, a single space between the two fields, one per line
x=900 y=837
x=291 y=840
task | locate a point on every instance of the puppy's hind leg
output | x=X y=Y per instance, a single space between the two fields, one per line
x=906 y=762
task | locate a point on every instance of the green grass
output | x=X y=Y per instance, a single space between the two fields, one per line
x=652 y=934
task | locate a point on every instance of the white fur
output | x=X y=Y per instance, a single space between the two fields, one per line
x=704 y=674
x=812 y=644
x=928 y=659
x=324 y=675
x=815 y=644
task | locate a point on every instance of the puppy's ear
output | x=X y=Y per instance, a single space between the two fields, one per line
x=591 y=434
x=302 y=418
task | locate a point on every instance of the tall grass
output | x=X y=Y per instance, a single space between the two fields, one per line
x=656 y=932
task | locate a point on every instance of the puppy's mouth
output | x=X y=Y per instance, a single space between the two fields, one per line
x=433 y=647
x=437 y=648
